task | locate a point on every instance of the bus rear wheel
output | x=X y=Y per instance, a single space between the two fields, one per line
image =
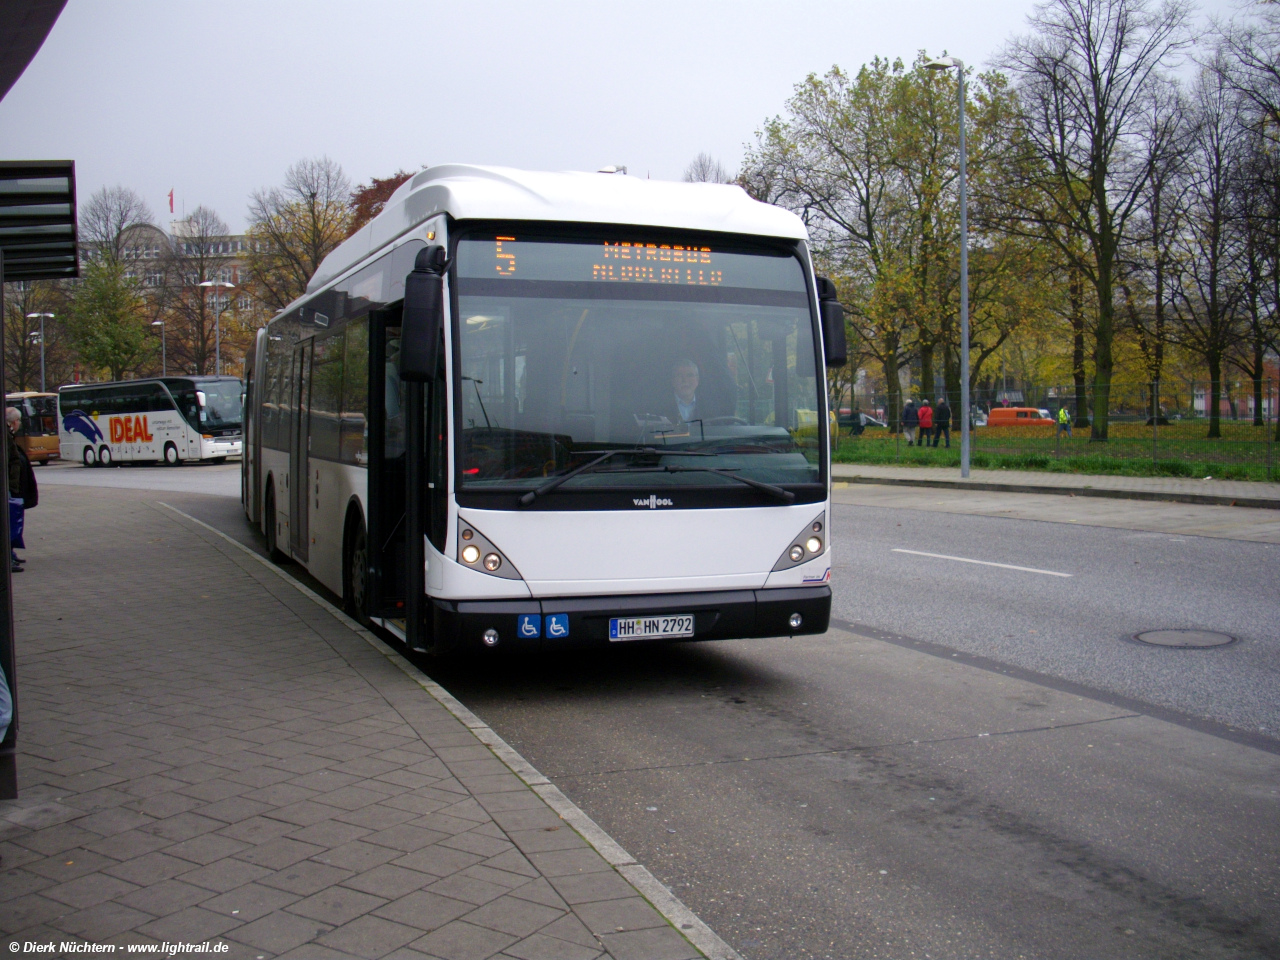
x=355 y=569
x=104 y=456
x=269 y=516
x=90 y=458
x=171 y=457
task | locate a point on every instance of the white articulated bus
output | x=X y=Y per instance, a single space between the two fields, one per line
x=166 y=419
x=530 y=410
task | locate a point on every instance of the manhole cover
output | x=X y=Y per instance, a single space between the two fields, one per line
x=1185 y=638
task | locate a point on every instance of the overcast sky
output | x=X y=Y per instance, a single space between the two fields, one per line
x=216 y=99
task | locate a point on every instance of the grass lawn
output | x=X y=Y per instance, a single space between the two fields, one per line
x=1181 y=450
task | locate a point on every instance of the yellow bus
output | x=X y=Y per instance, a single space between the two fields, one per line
x=38 y=436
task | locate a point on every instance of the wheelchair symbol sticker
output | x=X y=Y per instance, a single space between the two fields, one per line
x=529 y=625
x=557 y=625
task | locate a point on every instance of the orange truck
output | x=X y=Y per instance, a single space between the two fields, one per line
x=1017 y=417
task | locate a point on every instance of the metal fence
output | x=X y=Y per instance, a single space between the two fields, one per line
x=1161 y=429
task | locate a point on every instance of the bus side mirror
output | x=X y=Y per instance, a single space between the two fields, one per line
x=834 y=346
x=422 y=322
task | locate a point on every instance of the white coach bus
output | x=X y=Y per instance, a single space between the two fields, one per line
x=167 y=419
x=530 y=410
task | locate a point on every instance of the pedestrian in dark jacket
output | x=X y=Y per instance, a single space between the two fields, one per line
x=22 y=488
x=942 y=421
x=910 y=421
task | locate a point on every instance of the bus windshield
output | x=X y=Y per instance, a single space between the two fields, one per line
x=220 y=409
x=39 y=415
x=699 y=357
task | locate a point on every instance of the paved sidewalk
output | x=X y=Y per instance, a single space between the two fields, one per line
x=1222 y=492
x=208 y=753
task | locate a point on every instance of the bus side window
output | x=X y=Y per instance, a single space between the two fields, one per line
x=326 y=396
x=355 y=394
x=393 y=445
x=157 y=399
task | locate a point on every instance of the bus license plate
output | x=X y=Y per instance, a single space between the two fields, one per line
x=645 y=628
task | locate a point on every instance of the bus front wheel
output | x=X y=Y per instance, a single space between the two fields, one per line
x=171 y=457
x=104 y=456
x=355 y=571
x=90 y=458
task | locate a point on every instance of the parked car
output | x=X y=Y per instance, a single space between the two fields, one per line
x=1018 y=417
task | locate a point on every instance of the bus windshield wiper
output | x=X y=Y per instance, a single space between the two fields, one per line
x=554 y=482
x=769 y=488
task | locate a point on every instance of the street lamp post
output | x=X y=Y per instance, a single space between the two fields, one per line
x=42 y=316
x=955 y=63
x=217 y=324
x=164 y=360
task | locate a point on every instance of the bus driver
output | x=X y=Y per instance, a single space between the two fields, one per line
x=684 y=383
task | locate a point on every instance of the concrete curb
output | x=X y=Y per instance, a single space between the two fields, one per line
x=1264 y=503
x=646 y=884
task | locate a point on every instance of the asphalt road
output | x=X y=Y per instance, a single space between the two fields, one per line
x=988 y=767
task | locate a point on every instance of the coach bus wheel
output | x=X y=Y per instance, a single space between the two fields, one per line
x=90 y=458
x=217 y=459
x=269 y=515
x=355 y=569
x=171 y=455
x=104 y=456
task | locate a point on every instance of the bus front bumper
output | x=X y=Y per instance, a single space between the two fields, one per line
x=720 y=615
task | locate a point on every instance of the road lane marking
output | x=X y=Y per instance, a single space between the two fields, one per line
x=985 y=563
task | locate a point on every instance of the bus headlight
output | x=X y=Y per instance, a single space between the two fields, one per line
x=478 y=553
x=805 y=547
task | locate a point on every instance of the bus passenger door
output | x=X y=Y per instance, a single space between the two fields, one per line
x=299 y=445
x=386 y=497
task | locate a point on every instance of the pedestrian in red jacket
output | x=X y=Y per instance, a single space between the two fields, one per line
x=926 y=421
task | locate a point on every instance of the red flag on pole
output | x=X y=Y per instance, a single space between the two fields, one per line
x=171 y=201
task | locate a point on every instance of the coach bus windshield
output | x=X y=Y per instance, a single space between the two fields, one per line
x=208 y=405
x=690 y=361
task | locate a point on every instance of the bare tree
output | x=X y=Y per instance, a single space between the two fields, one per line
x=192 y=313
x=106 y=220
x=1254 y=45
x=705 y=169
x=1151 y=260
x=292 y=228
x=1210 y=242
x=1086 y=75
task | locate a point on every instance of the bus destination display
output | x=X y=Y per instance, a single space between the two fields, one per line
x=631 y=262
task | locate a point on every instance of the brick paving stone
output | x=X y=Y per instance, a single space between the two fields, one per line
x=459 y=940
x=337 y=905
x=542 y=947
x=659 y=943
x=89 y=890
x=514 y=916
x=166 y=897
x=192 y=924
x=306 y=877
x=279 y=931
x=268 y=780
x=371 y=936
x=102 y=921
x=250 y=902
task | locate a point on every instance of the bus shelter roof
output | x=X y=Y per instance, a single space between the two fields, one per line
x=38 y=219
